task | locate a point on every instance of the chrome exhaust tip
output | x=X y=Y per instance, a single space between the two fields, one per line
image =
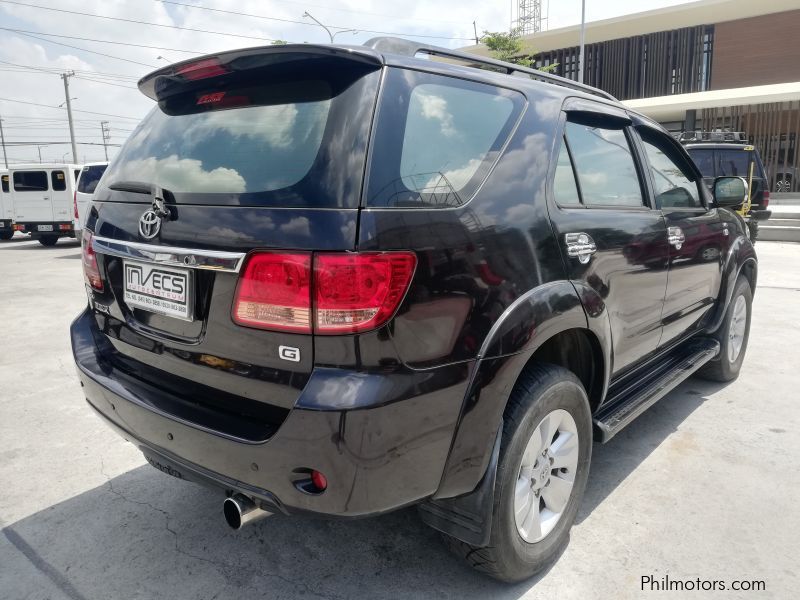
x=239 y=510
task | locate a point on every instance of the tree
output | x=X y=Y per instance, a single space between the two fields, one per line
x=279 y=42
x=509 y=47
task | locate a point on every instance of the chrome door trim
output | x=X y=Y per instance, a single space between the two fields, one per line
x=169 y=255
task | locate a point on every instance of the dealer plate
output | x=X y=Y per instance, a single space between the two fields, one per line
x=159 y=289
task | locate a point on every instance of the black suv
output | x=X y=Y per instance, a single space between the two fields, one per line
x=343 y=280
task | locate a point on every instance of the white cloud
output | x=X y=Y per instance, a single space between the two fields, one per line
x=182 y=174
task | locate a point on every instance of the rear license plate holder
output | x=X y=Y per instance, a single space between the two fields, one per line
x=158 y=289
x=44 y=228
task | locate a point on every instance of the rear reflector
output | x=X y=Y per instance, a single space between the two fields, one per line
x=274 y=292
x=202 y=69
x=91 y=272
x=353 y=292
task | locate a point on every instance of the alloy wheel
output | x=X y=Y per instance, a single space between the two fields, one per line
x=737 y=328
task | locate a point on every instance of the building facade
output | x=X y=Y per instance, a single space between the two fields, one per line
x=707 y=65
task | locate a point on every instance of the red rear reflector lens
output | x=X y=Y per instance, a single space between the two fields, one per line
x=319 y=480
x=75 y=204
x=91 y=272
x=202 y=69
x=358 y=292
x=274 y=292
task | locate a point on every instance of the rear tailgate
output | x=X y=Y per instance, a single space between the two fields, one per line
x=249 y=151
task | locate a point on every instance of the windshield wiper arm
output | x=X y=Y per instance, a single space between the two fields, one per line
x=142 y=187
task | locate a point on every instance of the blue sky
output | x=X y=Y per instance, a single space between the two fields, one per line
x=31 y=59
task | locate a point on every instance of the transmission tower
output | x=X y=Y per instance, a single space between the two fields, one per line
x=529 y=16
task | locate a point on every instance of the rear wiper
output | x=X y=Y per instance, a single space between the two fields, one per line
x=141 y=187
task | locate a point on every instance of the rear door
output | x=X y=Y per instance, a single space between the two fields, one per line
x=32 y=196
x=260 y=153
x=61 y=187
x=612 y=241
x=698 y=240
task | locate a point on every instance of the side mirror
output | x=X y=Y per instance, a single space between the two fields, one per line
x=730 y=191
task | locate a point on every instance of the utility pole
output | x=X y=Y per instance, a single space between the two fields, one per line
x=65 y=77
x=106 y=136
x=3 y=142
x=475 y=29
x=583 y=39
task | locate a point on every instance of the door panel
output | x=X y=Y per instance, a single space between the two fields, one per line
x=597 y=191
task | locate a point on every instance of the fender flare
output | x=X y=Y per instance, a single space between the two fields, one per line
x=740 y=254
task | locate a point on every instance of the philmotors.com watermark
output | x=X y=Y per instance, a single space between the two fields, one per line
x=665 y=583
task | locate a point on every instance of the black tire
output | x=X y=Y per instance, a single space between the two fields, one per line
x=48 y=240
x=722 y=368
x=541 y=389
x=6 y=235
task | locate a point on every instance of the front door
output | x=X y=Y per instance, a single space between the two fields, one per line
x=612 y=240
x=698 y=239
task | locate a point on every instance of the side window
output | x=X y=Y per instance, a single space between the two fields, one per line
x=58 y=181
x=565 y=189
x=437 y=138
x=604 y=165
x=4 y=179
x=673 y=186
x=30 y=181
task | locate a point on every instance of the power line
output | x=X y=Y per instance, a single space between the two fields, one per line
x=233 y=12
x=58 y=71
x=73 y=37
x=91 y=112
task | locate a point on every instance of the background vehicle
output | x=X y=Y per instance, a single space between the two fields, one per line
x=722 y=155
x=44 y=200
x=448 y=320
x=6 y=208
x=88 y=178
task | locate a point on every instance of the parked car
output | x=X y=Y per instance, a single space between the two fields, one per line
x=43 y=200
x=6 y=208
x=724 y=159
x=340 y=280
x=87 y=181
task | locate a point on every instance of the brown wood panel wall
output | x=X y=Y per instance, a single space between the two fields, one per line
x=772 y=128
x=757 y=51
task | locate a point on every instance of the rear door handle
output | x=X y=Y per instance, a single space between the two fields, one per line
x=580 y=246
x=675 y=237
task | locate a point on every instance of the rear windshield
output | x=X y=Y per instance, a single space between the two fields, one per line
x=437 y=138
x=30 y=181
x=704 y=159
x=734 y=163
x=89 y=178
x=297 y=140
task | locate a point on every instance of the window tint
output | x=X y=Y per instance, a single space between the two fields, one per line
x=673 y=188
x=733 y=163
x=604 y=164
x=89 y=178
x=704 y=159
x=58 y=180
x=565 y=189
x=437 y=138
x=30 y=181
x=4 y=179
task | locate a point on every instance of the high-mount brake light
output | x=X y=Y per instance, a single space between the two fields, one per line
x=91 y=272
x=202 y=69
x=352 y=292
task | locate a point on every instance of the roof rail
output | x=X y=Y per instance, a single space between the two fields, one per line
x=394 y=45
x=716 y=135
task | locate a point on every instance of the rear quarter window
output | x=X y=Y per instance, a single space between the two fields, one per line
x=437 y=138
x=30 y=181
x=4 y=180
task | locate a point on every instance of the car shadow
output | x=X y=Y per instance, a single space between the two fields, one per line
x=614 y=461
x=77 y=255
x=144 y=535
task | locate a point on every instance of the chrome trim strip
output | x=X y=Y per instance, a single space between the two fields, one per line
x=168 y=255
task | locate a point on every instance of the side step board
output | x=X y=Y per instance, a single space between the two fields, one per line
x=633 y=399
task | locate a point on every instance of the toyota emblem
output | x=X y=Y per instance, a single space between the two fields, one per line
x=149 y=225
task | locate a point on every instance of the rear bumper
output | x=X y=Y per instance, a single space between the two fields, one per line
x=761 y=215
x=60 y=228
x=376 y=458
x=5 y=225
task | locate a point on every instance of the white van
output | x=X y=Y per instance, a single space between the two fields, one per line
x=6 y=208
x=87 y=180
x=44 y=196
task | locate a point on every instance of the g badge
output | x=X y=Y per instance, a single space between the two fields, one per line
x=289 y=353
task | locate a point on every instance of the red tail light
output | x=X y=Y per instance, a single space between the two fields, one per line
x=274 y=292
x=357 y=292
x=765 y=199
x=75 y=204
x=352 y=292
x=90 y=270
x=202 y=69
